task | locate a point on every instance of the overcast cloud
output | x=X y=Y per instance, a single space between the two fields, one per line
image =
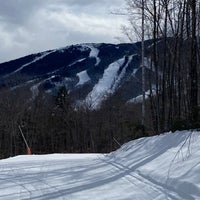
x=30 y=26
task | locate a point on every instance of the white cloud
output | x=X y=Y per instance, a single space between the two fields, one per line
x=30 y=26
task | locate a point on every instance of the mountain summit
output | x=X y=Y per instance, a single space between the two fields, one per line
x=90 y=72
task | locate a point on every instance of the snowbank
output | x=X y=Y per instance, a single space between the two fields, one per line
x=164 y=167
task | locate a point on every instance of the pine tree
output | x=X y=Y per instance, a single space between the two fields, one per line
x=62 y=98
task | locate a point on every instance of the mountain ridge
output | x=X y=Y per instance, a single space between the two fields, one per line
x=89 y=71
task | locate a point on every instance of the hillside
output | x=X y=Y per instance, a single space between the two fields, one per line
x=164 y=167
x=90 y=72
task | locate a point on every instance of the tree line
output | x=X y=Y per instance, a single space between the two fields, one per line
x=174 y=26
x=51 y=124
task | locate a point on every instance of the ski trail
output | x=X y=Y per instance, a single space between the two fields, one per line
x=143 y=182
x=25 y=191
x=32 y=186
x=44 y=54
x=163 y=189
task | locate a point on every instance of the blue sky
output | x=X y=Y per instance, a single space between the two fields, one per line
x=30 y=26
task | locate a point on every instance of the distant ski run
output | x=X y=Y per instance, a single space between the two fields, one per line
x=105 y=84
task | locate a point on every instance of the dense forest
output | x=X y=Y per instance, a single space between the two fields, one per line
x=174 y=27
x=51 y=123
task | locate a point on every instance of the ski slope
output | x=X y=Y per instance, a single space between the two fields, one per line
x=163 y=167
x=83 y=78
x=104 y=87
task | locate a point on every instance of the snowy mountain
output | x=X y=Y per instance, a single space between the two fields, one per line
x=90 y=72
x=164 y=167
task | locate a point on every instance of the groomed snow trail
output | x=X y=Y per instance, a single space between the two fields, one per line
x=164 y=167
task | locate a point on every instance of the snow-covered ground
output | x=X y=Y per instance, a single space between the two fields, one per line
x=83 y=78
x=139 y=98
x=94 y=52
x=162 y=167
x=106 y=85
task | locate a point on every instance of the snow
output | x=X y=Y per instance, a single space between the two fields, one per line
x=139 y=98
x=135 y=68
x=135 y=71
x=94 y=51
x=35 y=88
x=77 y=61
x=83 y=78
x=164 y=167
x=42 y=55
x=118 y=79
x=147 y=62
x=24 y=84
x=105 y=84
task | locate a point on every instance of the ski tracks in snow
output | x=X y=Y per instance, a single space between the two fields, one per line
x=152 y=188
x=139 y=170
x=35 y=185
x=28 y=187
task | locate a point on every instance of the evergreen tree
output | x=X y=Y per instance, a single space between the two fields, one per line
x=62 y=98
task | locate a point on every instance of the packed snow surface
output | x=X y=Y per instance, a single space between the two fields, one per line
x=106 y=85
x=163 y=167
x=139 y=98
x=83 y=78
x=94 y=52
x=77 y=61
